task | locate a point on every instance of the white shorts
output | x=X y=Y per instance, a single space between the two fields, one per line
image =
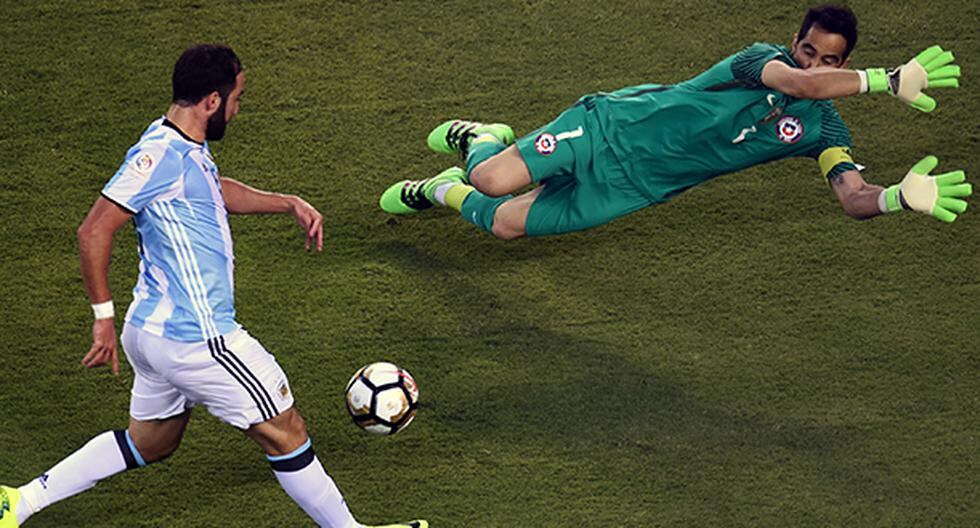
x=233 y=376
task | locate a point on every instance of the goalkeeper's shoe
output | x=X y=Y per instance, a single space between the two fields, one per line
x=418 y=523
x=9 y=500
x=455 y=135
x=412 y=196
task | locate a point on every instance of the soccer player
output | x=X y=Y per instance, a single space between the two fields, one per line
x=611 y=154
x=181 y=336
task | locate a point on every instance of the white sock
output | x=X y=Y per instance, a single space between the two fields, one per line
x=440 y=194
x=304 y=479
x=882 y=202
x=100 y=458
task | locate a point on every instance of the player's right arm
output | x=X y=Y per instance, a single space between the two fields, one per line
x=95 y=249
x=149 y=172
x=932 y=68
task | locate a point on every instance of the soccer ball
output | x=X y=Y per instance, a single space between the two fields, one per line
x=382 y=398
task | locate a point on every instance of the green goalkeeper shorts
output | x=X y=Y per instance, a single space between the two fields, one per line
x=584 y=185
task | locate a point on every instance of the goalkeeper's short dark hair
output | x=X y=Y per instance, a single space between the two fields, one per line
x=832 y=19
x=203 y=69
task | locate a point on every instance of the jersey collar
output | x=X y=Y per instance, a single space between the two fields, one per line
x=788 y=55
x=170 y=124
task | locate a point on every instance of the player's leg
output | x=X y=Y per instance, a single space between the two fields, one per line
x=499 y=174
x=449 y=189
x=495 y=178
x=155 y=440
x=243 y=385
x=287 y=445
x=103 y=456
x=150 y=439
x=494 y=170
x=510 y=218
x=496 y=167
x=598 y=193
x=478 y=143
x=492 y=167
x=281 y=435
x=289 y=449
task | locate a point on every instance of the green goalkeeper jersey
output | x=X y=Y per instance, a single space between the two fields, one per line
x=671 y=137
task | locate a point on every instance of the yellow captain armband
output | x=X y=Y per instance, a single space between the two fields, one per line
x=833 y=157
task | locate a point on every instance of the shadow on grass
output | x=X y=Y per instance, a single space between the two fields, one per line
x=542 y=384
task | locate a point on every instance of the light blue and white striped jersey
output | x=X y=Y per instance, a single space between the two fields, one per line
x=185 y=290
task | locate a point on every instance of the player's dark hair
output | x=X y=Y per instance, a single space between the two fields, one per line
x=832 y=19
x=203 y=69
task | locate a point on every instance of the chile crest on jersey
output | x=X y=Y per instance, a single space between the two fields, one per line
x=789 y=129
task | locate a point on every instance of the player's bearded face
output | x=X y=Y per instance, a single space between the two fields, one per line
x=216 y=123
x=819 y=48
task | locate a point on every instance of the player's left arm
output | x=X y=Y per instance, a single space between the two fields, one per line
x=858 y=197
x=814 y=83
x=941 y=196
x=243 y=199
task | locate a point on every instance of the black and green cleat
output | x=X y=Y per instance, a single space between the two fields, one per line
x=455 y=135
x=412 y=196
x=9 y=501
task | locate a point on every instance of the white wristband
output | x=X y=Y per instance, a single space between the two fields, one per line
x=863 y=75
x=103 y=310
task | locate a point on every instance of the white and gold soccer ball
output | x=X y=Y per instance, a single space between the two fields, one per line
x=382 y=398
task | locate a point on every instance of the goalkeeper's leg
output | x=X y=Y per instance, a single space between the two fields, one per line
x=503 y=216
x=492 y=166
x=493 y=170
x=496 y=170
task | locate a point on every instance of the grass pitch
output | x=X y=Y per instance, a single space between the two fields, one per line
x=745 y=355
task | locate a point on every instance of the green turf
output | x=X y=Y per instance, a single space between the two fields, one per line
x=717 y=361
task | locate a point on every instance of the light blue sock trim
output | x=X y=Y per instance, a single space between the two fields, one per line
x=306 y=445
x=136 y=452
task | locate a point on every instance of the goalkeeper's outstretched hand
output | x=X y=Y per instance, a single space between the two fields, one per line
x=932 y=68
x=940 y=196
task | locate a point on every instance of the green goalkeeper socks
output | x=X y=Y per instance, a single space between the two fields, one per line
x=479 y=209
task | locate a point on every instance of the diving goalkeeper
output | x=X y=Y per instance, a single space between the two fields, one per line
x=611 y=154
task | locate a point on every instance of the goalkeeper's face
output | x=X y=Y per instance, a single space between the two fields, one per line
x=820 y=48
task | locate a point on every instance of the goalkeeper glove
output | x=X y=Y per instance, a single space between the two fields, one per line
x=929 y=69
x=938 y=195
